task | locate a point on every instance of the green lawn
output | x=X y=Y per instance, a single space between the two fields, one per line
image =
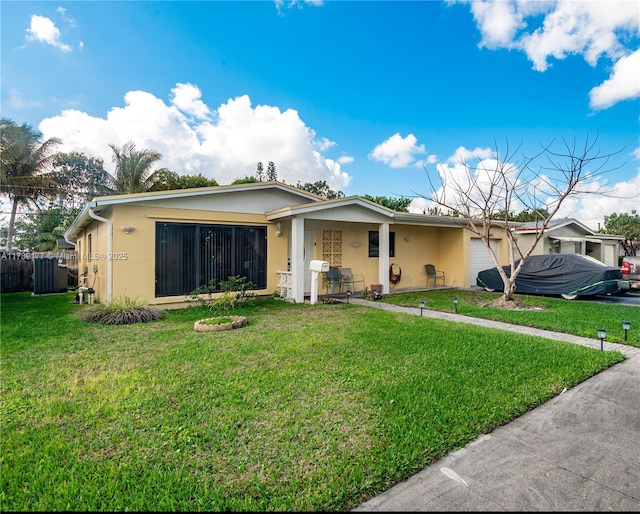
x=579 y=317
x=307 y=408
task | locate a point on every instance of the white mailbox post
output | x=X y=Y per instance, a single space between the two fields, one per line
x=316 y=267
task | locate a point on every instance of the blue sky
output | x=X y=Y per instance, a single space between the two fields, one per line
x=361 y=94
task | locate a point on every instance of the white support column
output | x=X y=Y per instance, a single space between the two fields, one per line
x=297 y=258
x=383 y=256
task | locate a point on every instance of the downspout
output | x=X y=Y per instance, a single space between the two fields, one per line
x=109 y=251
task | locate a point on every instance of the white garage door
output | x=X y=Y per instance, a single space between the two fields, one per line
x=480 y=258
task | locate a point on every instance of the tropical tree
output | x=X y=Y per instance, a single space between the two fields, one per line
x=167 y=180
x=489 y=192
x=39 y=230
x=527 y=215
x=321 y=188
x=245 y=180
x=26 y=166
x=80 y=178
x=627 y=225
x=133 y=172
x=397 y=204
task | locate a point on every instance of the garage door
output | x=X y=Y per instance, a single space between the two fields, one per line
x=480 y=258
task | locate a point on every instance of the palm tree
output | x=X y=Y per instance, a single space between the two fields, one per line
x=25 y=167
x=133 y=169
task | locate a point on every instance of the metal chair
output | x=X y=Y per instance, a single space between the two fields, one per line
x=349 y=280
x=433 y=273
x=332 y=279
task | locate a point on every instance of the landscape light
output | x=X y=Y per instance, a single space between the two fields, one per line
x=421 y=306
x=455 y=304
x=626 y=325
x=602 y=333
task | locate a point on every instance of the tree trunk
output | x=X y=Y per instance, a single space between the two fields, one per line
x=12 y=221
x=509 y=289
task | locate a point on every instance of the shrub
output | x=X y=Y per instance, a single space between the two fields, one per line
x=236 y=292
x=121 y=311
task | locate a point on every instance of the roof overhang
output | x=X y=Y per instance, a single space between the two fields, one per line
x=350 y=207
x=99 y=204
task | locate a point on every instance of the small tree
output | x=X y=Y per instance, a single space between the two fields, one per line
x=397 y=204
x=321 y=188
x=487 y=194
x=260 y=172
x=167 y=180
x=40 y=229
x=245 y=180
x=80 y=178
x=627 y=225
x=272 y=174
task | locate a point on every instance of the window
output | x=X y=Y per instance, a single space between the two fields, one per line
x=189 y=256
x=89 y=247
x=374 y=244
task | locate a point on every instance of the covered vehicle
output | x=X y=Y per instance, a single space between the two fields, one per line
x=568 y=275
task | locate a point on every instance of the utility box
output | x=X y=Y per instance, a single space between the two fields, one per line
x=49 y=276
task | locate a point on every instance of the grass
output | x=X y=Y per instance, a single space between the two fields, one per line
x=307 y=408
x=579 y=317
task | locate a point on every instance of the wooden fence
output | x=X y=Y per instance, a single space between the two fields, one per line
x=17 y=269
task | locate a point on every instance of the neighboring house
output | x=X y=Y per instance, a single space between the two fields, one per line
x=160 y=246
x=568 y=235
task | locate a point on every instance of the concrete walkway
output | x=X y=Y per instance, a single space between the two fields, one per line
x=579 y=451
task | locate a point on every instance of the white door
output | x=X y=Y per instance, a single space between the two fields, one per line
x=480 y=258
x=608 y=256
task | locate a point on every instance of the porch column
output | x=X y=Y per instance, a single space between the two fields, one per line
x=297 y=258
x=383 y=256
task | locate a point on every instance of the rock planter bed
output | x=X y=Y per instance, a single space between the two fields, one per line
x=219 y=323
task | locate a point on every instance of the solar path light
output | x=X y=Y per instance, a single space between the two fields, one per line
x=602 y=333
x=626 y=325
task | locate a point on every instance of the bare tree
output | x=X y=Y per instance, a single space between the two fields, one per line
x=489 y=193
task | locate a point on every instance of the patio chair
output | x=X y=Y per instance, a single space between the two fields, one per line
x=433 y=273
x=351 y=281
x=332 y=280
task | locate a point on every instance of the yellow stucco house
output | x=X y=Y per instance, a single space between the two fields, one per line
x=160 y=246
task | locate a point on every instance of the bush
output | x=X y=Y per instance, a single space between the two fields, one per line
x=121 y=311
x=236 y=292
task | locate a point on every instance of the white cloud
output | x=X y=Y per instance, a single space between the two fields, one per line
x=463 y=154
x=623 y=84
x=296 y=3
x=187 y=98
x=225 y=146
x=592 y=28
x=622 y=197
x=498 y=22
x=600 y=199
x=44 y=30
x=18 y=102
x=397 y=152
x=67 y=18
